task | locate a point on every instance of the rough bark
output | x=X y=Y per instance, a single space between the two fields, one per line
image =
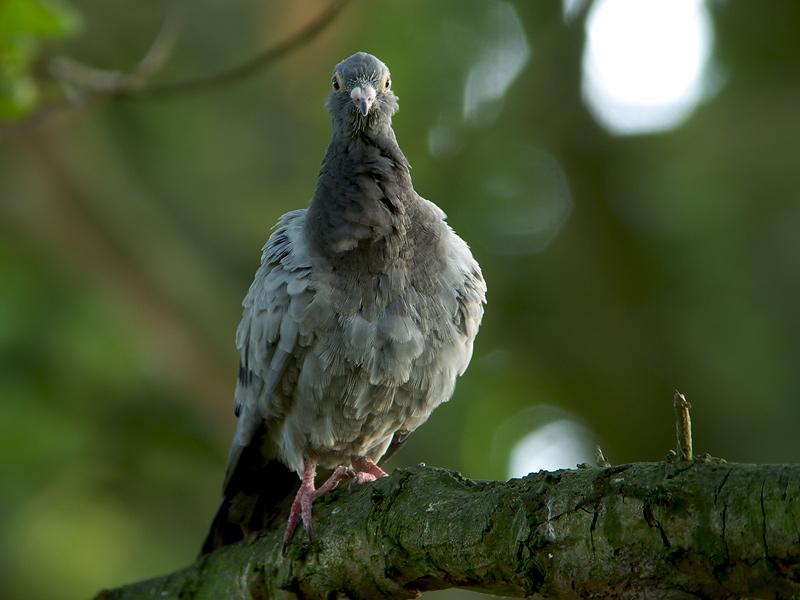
x=706 y=529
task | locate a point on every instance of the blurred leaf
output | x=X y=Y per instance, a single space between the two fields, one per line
x=43 y=18
x=18 y=95
x=24 y=25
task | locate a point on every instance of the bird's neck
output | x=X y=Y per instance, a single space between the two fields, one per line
x=363 y=199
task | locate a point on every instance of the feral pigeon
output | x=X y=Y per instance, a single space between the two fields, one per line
x=361 y=316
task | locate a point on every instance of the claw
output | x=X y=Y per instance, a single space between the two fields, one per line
x=311 y=532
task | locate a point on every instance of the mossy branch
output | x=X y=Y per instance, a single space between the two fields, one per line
x=658 y=530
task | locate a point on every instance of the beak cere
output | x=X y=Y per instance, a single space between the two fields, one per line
x=363 y=98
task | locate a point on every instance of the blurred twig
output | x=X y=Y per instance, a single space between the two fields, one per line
x=86 y=85
x=78 y=79
x=683 y=426
x=601 y=459
x=250 y=66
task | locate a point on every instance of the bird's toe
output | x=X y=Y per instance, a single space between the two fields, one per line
x=360 y=478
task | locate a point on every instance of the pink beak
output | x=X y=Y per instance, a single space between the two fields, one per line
x=363 y=98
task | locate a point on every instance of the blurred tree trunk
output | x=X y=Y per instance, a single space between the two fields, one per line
x=658 y=530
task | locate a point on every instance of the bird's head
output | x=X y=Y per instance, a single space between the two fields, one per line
x=361 y=99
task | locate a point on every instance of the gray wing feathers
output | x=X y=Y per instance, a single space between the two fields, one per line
x=269 y=335
x=470 y=294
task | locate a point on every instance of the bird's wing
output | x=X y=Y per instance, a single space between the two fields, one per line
x=271 y=338
x=470 y=290
x=464 y=293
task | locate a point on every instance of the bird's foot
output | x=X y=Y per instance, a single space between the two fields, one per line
x=301 y=507
x=366 y=471
x=361 y=478
x=365 y=465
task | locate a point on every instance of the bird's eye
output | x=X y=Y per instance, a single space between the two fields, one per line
x=335 y=83
x=388 y=83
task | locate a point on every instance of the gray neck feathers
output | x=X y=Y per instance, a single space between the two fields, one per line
x=361 y=209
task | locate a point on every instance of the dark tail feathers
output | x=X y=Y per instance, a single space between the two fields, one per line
x=257 y=494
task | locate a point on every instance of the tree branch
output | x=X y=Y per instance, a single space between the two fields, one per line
x=85 y=85
x=660 y=530
x=250 y=66
x=135 y=84
x=79 y=79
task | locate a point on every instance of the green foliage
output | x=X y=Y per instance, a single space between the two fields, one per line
x=24 y=26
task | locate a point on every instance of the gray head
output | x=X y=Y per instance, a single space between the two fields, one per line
x=361 y=100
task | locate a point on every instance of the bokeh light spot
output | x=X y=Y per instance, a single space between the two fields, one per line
x=644 y=62
x=572 y=8
x=561 y=444
x=505 y=52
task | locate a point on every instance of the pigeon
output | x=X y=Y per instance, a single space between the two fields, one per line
x=359 y=320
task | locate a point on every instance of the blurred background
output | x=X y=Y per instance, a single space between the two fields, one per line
x=625 y=171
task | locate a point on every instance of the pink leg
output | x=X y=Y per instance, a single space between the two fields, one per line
x=366 y=471
x=301 y=507
x=338 y=474
x=307 y=485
